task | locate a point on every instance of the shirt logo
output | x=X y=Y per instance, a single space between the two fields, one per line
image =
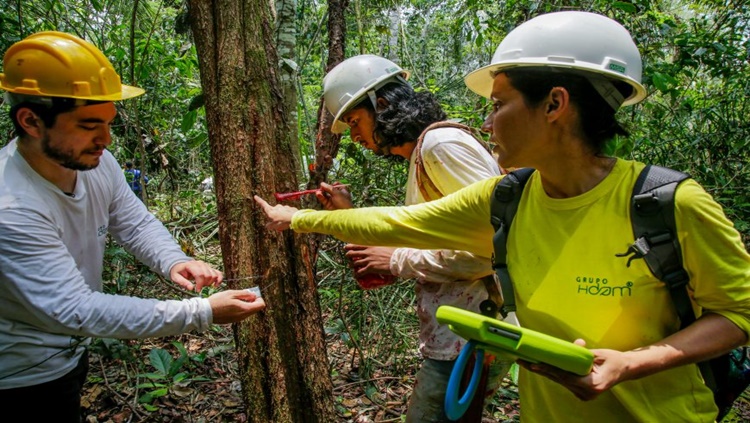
x=102 y=230
x=600 y=287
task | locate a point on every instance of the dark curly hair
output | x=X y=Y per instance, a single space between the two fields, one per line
x=597 y=123
x=406 y=116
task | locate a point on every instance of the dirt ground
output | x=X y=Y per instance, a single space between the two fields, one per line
x=207 y=387
x=213 y=394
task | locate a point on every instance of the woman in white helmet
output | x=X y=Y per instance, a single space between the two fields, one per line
x=555 y=84
x=370 y=95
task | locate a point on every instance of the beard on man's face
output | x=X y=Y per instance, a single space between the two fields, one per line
x=65 y=158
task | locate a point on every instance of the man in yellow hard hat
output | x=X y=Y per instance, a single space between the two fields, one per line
x=61 y=193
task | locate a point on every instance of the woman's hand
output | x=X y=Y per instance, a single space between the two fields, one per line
x=366 y=259
x=334 y=197
x=279 y=216
x=610 y=368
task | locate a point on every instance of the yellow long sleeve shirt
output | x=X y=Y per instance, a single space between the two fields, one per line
x=570 y=284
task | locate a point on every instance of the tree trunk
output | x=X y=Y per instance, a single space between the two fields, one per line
x=327 y=143
x=286 y=40
x=283 y=367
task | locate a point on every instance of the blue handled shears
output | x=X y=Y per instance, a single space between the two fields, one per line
x=455 y=407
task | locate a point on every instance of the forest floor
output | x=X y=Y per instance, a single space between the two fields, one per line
x=195 y=377
x=210 y=391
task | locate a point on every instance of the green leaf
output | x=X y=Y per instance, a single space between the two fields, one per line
x=624 y=6
x=179 y=377
x=150 y=385
x=197 y=140
x=161 y=360
x=149 y=407
x=156 y=393
x=188 y=120
x=663 y=82
x=145 y=398
x=152 y=376
x=371 y=392
x=196 y=102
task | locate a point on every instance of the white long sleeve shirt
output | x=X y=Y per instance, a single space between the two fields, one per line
x=51 y=259
x=452 y=160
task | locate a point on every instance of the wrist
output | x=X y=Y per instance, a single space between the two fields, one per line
x=646 y=361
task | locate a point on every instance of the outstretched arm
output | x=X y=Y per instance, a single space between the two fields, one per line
x=460 y=221
x=279 y=216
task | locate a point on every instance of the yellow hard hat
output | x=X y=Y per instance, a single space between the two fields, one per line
x=56 y=64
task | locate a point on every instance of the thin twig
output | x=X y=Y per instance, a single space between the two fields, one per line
x=117 y=394
x=365 y=381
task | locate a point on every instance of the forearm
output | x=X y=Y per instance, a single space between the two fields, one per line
x=710 y=336
x=460 y=221
x=149 y=241
x=439 y=266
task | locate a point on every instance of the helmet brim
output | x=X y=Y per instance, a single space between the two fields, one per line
x=126 y=92
x=129 y=91
x=481 y=80
x=338 y=125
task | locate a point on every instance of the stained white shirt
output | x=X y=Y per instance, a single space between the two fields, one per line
x=453 y=160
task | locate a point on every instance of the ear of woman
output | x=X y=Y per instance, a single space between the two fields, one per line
x=558 y=102
x=382 y=103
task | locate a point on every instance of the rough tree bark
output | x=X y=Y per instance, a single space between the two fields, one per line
x=283 y=367
x=327 y=143
x=286 y=42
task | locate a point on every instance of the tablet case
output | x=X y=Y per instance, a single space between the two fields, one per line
x=502 y=338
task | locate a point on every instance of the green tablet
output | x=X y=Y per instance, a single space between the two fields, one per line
x=496 y=336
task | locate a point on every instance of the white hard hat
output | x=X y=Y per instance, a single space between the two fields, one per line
x=594 y=45
x=346 y=84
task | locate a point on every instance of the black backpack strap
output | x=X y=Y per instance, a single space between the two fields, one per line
x=655 y=231
x=504 y=204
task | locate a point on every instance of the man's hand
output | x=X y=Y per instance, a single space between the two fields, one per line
x=202 y=273
x=279 y=216
x=370 y=259
x=232 y=306
x=610 y=368
x=334 y=197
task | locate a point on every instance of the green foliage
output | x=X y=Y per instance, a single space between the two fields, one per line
x=695 y=119
x=169 y=373
x=695 y=70
x=379 y=327
x=161 y=61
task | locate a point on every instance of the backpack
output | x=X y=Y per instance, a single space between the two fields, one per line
x=427 y=188
x=654 y=229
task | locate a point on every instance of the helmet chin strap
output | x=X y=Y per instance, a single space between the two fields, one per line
x=373 y=99
x=371 y=91
x=607 y=90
